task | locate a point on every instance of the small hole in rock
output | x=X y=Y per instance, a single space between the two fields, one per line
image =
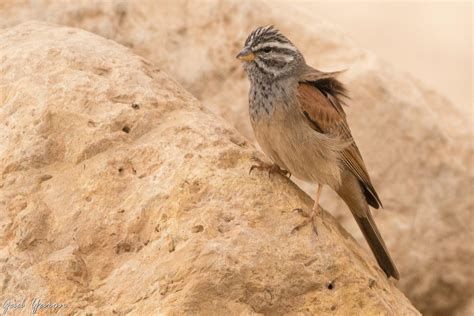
x=120 y=170
x=136 y=106
x=372 y=283
x=198 y=229
x=126 y=129
x=331 y=285
x=122 y=247
x=228 y=218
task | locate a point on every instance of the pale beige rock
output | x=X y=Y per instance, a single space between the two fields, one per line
x=121 y=193
x=416 y=144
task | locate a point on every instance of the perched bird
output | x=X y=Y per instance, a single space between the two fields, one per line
x=298 y=119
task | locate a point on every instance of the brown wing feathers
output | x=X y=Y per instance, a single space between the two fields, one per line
x=320 y=97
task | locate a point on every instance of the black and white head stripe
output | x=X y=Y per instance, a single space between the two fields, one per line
x=265 y=33
x=274 y=52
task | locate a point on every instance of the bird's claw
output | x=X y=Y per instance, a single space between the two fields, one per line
x=271 y=168
x=300 y=211
x=309 y=218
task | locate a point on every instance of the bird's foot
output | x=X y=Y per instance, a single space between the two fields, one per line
x=309 y=218
x=271 y=168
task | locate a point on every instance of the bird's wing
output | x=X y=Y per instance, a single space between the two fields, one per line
x=319 y=95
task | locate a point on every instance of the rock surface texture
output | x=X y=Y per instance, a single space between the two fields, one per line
x=417 y=146
x=120 y=193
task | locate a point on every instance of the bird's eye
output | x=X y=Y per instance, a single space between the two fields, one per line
x=266 y=50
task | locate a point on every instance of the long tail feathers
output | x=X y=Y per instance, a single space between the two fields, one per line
x=375 y=241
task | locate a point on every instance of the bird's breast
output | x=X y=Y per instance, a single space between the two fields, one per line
x=285 y=137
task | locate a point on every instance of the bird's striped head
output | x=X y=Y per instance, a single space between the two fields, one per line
x=268 y=53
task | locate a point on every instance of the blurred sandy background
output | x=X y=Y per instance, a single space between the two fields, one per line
x=437 y=37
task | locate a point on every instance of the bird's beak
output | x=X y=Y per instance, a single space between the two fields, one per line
x=245 y=55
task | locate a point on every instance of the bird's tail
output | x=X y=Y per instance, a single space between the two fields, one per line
x=376 y=243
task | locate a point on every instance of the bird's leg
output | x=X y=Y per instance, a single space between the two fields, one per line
x=271 y=168
x=316 y=207
x=315 y=210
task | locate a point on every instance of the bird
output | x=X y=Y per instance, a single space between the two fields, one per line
x=298 y=119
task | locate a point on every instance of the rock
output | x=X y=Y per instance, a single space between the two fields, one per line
x=122 y=193
x=416 y=144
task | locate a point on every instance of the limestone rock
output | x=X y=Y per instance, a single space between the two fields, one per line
x=120 y=193
x=416 y=144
